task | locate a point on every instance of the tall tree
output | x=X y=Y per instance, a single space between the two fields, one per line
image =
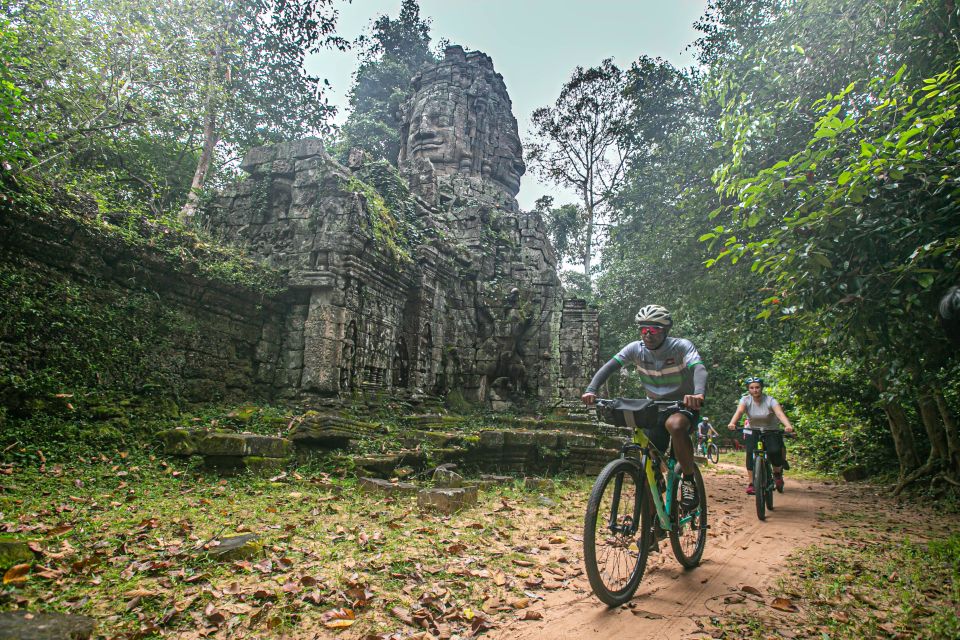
x=839 y=124
x=391 y=55
x=581 y=142
x=120 y=98
x=255 y=88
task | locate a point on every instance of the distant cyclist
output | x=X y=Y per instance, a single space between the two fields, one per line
x=763 y=414
x=704 y=431
x=670 y=369
x=949 y=314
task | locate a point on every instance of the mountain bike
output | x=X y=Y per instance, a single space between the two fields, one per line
x=632 y=507
x=763 y=481
x=709 y=450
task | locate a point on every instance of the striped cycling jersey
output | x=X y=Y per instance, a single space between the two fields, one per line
x=666 y=372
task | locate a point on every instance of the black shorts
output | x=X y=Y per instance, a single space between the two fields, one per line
x=636 y=413
x=772 y=443
x=659 y=435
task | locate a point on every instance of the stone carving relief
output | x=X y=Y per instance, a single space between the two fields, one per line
x=460 y=120
x=477 y=309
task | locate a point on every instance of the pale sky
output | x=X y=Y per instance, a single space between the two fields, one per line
x=534 y=44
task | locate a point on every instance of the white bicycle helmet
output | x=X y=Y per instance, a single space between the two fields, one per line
x=654 y=314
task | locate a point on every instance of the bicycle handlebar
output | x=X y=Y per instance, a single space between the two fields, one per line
x=608 y=402
x=786 y=434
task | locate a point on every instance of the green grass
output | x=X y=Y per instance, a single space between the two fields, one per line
x=123 y=540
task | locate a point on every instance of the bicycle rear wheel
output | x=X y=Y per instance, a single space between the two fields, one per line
x=617 y=532
x=713 y=453
x=760 y=486
x=688 y=535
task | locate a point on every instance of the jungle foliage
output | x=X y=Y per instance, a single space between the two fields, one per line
x=142 y=104
x=390 y=56
x=794 y=202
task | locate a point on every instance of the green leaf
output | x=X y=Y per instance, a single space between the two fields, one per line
x=844 y=178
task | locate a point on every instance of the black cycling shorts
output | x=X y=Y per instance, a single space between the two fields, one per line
x=660 y=437
x=772 y=442
x=636 y=413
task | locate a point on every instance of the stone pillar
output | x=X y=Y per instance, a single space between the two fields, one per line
x=579 y=348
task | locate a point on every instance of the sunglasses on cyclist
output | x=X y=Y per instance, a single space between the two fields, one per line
x=651 y=331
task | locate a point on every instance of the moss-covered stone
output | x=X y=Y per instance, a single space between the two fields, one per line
x=14 y=552
x=180 y=442
x=242 y=415
x=244 y=547
x=244 y=444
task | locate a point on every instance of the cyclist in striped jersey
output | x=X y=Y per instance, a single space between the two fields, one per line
x=670 y=369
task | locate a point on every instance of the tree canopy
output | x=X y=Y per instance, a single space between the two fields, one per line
x=794 y=200
x=390 y=56
x=128 y=100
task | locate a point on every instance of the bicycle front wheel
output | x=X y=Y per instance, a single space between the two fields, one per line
x=713 y=453
x=618 y=532
x=688 y=534
x=768 y=494
x=760 y=486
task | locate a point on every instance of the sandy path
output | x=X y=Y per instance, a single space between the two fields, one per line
x=741 y=550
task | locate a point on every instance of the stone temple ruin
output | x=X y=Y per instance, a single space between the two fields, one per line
x=423 y=282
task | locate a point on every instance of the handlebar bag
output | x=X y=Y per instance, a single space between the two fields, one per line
x=633 y=413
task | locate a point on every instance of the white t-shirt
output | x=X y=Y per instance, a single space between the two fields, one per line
x=761 y=413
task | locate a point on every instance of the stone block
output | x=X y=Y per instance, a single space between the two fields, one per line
x=180 y=442
x=854 y=473
x=520 y=438
x=376 y=485
x=283 y=167
x=37 y=625
x=445 y=478
x=492 y=439
x=242 y=547
x=256 y=157
x=537 y=484
x=256 y=465
x=447 y=501
x=327 y=428
x=244 y=444
x=307 y=148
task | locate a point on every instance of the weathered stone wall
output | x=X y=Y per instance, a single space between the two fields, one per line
x=580 y=346
x=428 y=281
x=87 y=308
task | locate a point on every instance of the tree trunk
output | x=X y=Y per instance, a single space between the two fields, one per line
x=934 y=426
x=950 y=430
x=903 y=440
x=210 y=140
x=588 y=248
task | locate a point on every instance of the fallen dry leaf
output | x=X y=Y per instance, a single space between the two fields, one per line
x=529 y=614
x=783 y=604
x=16 y=574
x=338 y=618
x=749 y=589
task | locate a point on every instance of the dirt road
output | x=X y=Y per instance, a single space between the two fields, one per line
x=741 y=551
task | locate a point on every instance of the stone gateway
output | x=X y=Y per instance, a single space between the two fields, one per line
x=423 y=281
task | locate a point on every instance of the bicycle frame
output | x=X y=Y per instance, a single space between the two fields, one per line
x=642 y=443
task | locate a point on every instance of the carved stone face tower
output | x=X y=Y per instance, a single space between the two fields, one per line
x=460 y=119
